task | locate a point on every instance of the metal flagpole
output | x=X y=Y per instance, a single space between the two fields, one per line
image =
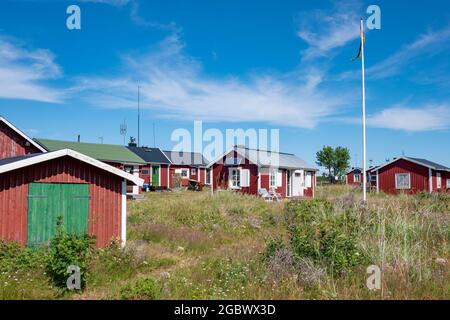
x=363 y=113
x=139 y=116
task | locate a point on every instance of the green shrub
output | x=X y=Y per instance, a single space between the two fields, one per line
x=143 y=289
x=273 y=245
x=303 y=212
x=66 y=250
x=318 y=231
x=14 y=257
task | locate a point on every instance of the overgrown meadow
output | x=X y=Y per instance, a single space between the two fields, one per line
x=191 y=245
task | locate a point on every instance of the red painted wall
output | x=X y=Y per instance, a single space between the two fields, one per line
x=220 y=176
x=419 y=177
x=265 y=181
x=184 y=182
x=194 y=176
x=12 y=144
x=202 y=175
x=146 y=177
x=104 y=188
x=164 y=176
x=351 y=179
x=445 y=177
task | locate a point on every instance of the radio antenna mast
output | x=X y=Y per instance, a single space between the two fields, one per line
x=123 y=130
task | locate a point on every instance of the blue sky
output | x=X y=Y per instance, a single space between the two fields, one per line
x=231 y=64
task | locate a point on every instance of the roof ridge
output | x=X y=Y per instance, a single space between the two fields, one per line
x=280 y=152
x=81 y=142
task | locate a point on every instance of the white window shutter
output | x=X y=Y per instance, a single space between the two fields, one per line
x=279 y=179
x=230 y=174
x=245 y=178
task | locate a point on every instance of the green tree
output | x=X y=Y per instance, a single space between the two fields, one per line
x=335 y=160
x=325 y=158
x=341 y=161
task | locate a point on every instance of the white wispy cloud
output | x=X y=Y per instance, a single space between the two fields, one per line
x=326 y=30
x=136 y=15
x=174 y=85
x=24 y=72
x=427 y=44
x=425 y=118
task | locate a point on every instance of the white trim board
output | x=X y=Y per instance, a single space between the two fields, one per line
x=123 y=224
x=74 y=154
x=23 y=135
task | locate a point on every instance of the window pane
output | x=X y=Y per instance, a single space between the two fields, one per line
x=402 y=180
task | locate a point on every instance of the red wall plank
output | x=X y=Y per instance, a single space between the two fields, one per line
x=419 y=177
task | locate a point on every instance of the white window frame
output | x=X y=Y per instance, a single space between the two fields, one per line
x=448 y=183
x=193 y=171
x=234 y=183
x=356 y=177
x=273 y=178
x=402 y=187
x=438 y=180
x=183 y=172
x=145 y=174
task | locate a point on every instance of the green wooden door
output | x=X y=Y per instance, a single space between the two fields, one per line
x=155 y=176
x=48 y=201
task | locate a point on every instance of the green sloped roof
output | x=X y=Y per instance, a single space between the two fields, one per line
x=103 y=152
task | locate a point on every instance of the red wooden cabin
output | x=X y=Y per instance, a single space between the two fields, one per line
x=354 y=176
x=249 y=170
x=36 y=189
x=189 y=166
x=411 y=175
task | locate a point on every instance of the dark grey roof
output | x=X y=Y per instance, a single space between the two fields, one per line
x=428 y=163
x=357 y=169
x=150 y=155
x=423 y=162
x=265 y=158
x=19 y=158
x=186 y=158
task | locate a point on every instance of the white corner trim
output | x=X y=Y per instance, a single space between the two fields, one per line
x=211 y=180
x=123 y=224
x=136 y=174
x=168 y=176
x=430 y=180
x=159 y=175
x=259 y=179
x=74 y=154
x=378 y=181
x=23 y=135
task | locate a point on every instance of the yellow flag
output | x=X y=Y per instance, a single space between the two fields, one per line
x=363 y=40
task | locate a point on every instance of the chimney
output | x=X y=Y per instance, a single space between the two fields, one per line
x=132 y=142
x=79 y=139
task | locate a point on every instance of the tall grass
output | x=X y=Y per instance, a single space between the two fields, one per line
x=191 y=245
